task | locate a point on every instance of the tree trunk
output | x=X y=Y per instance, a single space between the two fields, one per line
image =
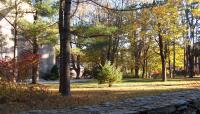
x=78 y=69
x=15 y=43
x=191 y=54
x=131 y=70
x=174 y=59
x=109 y=49
x=146 y=67
x=164 y=77
x=137 y=56
x=64 y=26
x=114 y=52
x=195 y=64
x=35 y=68
x=162 y=56
x=143 y=68
x=144 y=73
x=60 y=25
x=170 y=69
x=15 y=29
x=137 y=68
x=191 y=62
x=169 y=63
x=186 y=60
x=198 y=65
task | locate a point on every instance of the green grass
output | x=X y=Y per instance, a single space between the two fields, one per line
x=128 y=82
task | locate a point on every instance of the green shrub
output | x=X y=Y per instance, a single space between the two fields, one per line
x=53 y=75
x=109 y=74
x=128 y=75
x=95 y=71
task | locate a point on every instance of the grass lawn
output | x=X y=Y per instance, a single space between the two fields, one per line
x=87 y=93
x=133 y=83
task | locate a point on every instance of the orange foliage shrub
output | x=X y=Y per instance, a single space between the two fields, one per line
x=18 y=69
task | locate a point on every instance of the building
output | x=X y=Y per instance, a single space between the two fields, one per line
x=7 y=14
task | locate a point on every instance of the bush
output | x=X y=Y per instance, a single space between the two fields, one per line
x=128 y=75
x=87 y=74
x=109 y=74
x=21 y=95
x=53 y=75
x=18 y=69
x=95 y=71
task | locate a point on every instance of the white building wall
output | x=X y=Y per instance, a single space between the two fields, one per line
x=6 y=28
x=47 y=60
x=47 y=52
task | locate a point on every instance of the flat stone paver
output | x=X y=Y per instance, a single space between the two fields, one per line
x=165 y=103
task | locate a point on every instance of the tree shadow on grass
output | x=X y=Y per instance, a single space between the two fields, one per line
x=141 y=80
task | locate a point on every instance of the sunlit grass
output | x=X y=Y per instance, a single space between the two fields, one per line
x=132 y=83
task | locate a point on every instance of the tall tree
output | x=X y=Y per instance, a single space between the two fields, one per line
x=191 y=7
x=166 y=27
x=64 y=29
x=43 y=8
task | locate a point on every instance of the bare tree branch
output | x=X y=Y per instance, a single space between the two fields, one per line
x=77 y=4
x=133 y=7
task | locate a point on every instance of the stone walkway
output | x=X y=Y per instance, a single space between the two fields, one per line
x=187 y=102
